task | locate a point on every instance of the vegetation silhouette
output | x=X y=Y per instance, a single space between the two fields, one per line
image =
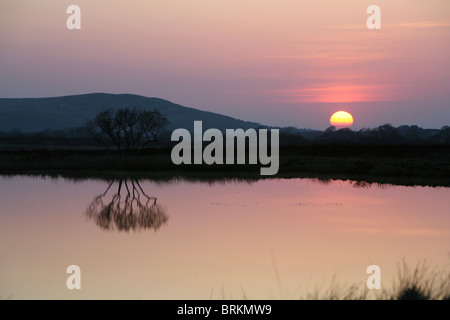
x=127 y=129
x=128 y=209
x=385 y=134
x=406 y=155
x=106 y=127
x=421 y=282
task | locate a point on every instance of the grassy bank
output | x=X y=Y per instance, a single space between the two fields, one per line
x=420 y=282
x=404 y=165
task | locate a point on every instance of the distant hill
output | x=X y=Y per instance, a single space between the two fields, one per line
x=59 y=113
x=64 y=117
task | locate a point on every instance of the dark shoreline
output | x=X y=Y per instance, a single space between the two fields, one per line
x=395 y=165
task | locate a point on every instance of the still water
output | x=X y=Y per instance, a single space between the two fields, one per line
x=267 y=239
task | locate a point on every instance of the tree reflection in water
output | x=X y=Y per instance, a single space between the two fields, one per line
x=129 y=209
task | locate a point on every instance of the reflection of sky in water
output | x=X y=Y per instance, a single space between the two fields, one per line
x=217 y=238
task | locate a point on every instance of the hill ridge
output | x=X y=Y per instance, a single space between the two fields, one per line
x=62 y=112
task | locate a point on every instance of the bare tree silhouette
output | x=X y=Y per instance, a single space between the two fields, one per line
x=127 y=129
x=129 y=209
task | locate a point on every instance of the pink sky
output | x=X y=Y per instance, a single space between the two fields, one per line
x=278 y=62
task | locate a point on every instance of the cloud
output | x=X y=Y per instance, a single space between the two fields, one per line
x=329 y=92
x=359 y=26
x=423 y=24
x=414 y=24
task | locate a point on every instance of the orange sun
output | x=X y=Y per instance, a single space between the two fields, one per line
x=341 y=119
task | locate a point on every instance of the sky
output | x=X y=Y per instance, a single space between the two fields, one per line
x=277 y=62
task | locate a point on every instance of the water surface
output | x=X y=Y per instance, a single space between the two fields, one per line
x=267 y=239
